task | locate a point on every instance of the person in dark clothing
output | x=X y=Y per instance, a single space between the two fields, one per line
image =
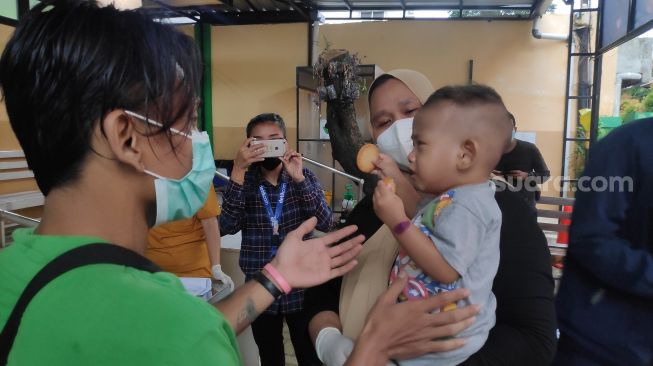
x=605 y=301
x=524 y=168
x=525 y=330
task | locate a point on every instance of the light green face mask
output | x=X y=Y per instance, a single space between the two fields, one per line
x=178 y=199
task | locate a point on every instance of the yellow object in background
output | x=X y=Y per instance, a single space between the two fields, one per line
x=585 y=116
x=449 y=307
x=328 y=196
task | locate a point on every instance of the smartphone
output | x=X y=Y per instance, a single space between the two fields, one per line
x=273 y=148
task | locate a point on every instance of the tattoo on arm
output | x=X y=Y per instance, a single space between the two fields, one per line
x=248 y=314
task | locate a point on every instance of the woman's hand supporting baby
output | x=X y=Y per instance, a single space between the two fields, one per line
x=409 y=329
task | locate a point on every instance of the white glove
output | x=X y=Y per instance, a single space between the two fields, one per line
x=332 y=347
x=222 y=277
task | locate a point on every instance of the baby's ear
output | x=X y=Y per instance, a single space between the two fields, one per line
x=467 y=154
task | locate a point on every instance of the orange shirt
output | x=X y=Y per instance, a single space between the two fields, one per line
x=180 y=246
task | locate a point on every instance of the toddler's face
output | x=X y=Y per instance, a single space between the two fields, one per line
x=435 y=150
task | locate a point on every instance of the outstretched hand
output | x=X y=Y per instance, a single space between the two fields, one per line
x=307 y=263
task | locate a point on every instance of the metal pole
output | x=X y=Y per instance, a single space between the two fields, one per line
x=336 y=171
x=19 y=219
x=359 y=181
x=567 y=117
x=222 y=176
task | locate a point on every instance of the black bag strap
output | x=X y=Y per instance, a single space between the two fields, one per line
x=95 y=253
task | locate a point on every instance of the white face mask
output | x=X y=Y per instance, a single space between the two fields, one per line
x=396 y=141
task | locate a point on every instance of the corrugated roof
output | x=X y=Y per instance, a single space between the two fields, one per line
x=286 y=11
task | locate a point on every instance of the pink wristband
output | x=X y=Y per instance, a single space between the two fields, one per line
x=278 y=278
x=401 y=227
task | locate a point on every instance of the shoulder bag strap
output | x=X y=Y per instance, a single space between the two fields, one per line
x=96 y=253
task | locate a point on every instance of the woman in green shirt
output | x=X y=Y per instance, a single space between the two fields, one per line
x=103 y=103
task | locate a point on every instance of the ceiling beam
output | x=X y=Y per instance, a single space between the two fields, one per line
x=242 y=18
x=420 y=7
x=175 y=10
x=309 y=4
x=540 y=7
x=251 y=5
x=294 y=7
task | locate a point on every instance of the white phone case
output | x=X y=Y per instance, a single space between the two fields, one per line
x=273 y=148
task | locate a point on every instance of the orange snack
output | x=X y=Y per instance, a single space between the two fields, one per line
x=366 y=157
x=450 y=306
x=390 y=183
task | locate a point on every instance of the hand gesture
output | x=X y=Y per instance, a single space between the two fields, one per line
x=292 y=162
x=410 y=329
x=248 y=154
x=217 y=273
x=387 y=205
x=307 y=263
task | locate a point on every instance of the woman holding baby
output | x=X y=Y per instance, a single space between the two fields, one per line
x=524 y=328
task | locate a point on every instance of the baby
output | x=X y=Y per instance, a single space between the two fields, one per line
x=459 y=135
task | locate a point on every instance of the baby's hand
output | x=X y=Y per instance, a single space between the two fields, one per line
x=387 y=205
x=384 y=166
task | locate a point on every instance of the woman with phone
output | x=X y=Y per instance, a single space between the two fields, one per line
x=270 y=194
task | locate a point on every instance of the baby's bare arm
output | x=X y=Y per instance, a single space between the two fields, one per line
x=423 y=252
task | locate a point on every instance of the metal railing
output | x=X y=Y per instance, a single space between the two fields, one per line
x=15 y=218
x=359 y=181
x=222 y=176
x=19 y=219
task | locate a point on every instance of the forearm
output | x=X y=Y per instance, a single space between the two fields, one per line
x=238 y=175
x=540 y=170
x=324 y=217
x=233 y=208
x=212 y=234
x=314 y=203
x=244 y=305
x=322 y=212
x=427 y=257
x=323 y=320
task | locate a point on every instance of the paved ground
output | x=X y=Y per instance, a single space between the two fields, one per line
x=290 y=352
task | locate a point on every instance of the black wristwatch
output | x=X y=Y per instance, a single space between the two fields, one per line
x=268 y=284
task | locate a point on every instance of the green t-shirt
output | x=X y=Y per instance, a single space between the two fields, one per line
x=106 y=314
